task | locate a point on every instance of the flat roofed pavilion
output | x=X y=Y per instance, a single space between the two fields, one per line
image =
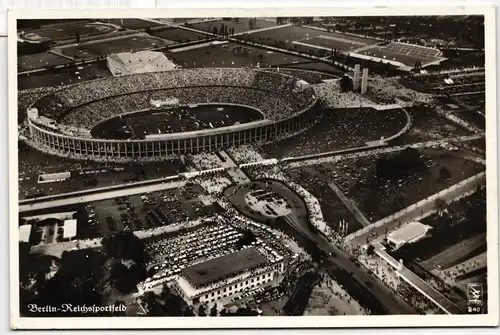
x=224 y=266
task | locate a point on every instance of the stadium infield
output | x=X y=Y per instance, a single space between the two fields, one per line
x=221 y=267
x=174 y=120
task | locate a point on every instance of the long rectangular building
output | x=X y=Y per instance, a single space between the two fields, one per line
x=227 y=276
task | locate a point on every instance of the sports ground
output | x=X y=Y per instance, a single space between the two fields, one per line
x=95 y=49
x=69 y=31
x=294 y=35
x=239 y=27
x=403 y=53
x=177 y=35
x=236 y=55
x=134 y=23
x=313 y=38
x=174 y=120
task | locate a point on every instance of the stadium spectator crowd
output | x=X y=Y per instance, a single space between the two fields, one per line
x=84 y=105
x=341 y=129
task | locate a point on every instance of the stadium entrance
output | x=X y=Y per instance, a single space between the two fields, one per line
x=174 y=119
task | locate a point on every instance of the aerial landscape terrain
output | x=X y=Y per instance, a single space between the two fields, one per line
x=278 y=166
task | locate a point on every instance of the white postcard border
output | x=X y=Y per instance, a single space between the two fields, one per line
x=491 y=319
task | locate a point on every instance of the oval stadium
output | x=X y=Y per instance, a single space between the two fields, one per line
x=92 y=120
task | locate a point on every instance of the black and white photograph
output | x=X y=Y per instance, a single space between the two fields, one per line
x=285 y=168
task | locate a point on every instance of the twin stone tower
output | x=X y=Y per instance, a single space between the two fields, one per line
x=356 y=79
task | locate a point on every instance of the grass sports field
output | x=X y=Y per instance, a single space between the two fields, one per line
x=293 y=35
x=236 y=55
x=239 y=27
x=69 y=31
x=40 y=60
x=174 y=120
x=134 y=23
x=177 y=35
x=65 y=76
x=114 y=45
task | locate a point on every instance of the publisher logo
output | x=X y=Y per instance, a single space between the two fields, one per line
x=474 y=294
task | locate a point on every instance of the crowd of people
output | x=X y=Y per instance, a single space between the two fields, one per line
x=245 y=154
x=207 y=241
x=447 y=83
x=389 y=277
x=390 y=91
x=83 y=105
x=339 y=217
x=311 y=77
x=417 y=299
x=313 y=206
x=341 y=129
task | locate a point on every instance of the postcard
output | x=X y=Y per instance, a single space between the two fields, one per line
x=257 y=168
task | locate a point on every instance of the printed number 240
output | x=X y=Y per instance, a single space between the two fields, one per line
x=474 y=309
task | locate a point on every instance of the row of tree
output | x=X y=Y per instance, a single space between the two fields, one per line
x=81 y=276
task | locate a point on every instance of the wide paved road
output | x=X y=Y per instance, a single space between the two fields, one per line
x=96 y=195
x=392 y=303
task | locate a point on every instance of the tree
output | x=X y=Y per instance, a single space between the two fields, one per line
x=124 y=245
x=345 y=84
x=370 y=250
x=188 y=312
x=78 y=281
x=201 y=311
x=213 y=310
x=24 y=262
x=440 y=204
x=251 y=23
x=118 y=270
x=444 y=174
x=247 y=239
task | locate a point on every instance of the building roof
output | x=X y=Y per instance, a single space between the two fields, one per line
x=141 y=61
x=408 y=232
x=224 y=266
x=24 y=233
x=69 y=228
